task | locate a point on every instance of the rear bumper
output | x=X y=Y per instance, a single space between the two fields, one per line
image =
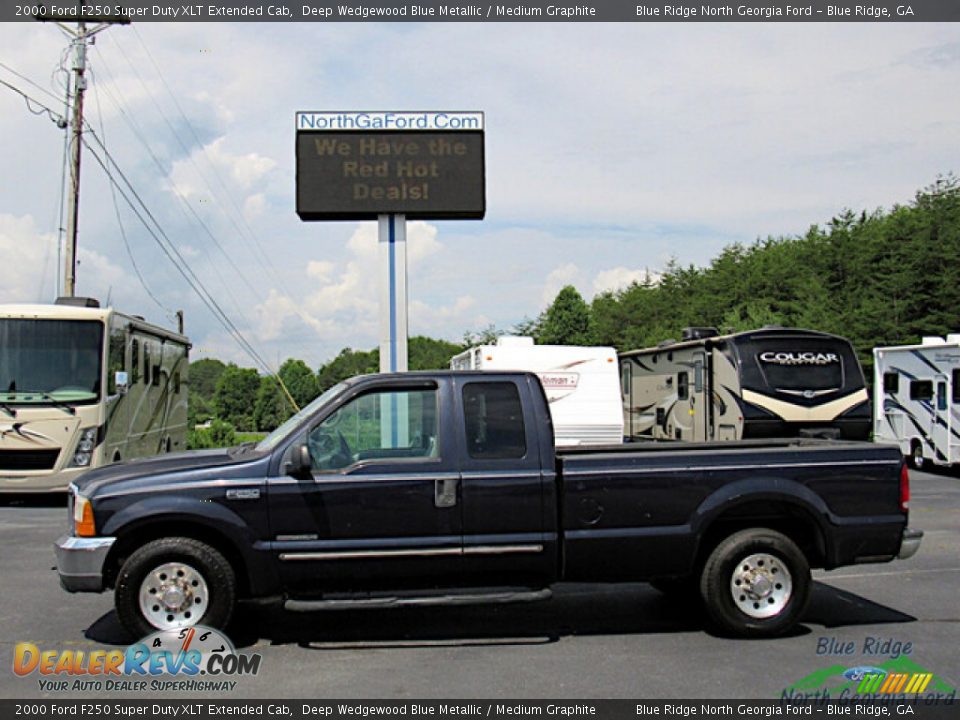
x=910 y=543
x=80 y=562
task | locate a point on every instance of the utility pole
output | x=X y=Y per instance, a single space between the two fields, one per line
x=81 y=37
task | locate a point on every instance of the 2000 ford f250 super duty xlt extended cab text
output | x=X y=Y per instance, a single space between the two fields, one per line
x=445 y=487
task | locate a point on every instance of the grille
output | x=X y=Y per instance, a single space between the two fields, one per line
x=28 y=459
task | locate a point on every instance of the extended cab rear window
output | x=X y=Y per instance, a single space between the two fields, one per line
x=494 y=421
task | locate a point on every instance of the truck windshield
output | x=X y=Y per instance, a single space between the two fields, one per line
x=50 y=361
x=281 y=432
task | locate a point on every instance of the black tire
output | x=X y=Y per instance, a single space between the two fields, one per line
x=755 y=553
x=214 y=570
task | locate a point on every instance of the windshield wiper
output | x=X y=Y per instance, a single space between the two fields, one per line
x=245 y=447
x=8 y=410
x=58 y=403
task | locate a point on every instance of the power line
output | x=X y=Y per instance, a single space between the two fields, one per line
x=54 y=116
x=265 y=257
x=170 y=250
x=116 y=208
x=183 y=202
x=28 y=80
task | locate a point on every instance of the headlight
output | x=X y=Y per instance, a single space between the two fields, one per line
x=83 y=454
x=83 y=523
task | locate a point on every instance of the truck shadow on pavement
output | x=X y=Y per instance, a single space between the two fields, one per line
x=574 y=610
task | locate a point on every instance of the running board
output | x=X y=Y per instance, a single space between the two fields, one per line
x=423 y=600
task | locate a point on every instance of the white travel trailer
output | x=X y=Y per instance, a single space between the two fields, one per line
x=83 y=386
x=771 y=382
x=581 y=384
x=917 y=399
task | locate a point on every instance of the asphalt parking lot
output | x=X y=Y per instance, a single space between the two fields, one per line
x=587 y=642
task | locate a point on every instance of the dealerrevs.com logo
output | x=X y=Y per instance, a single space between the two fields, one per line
x=180 y=659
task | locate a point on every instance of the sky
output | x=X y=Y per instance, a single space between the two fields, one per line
x=610 y=149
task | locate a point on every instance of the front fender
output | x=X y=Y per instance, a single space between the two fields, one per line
x=212 y=519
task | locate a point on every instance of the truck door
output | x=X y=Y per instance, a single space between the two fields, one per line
x=506 y=489
x=381 y=508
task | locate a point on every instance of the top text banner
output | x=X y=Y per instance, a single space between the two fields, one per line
x=466 y=11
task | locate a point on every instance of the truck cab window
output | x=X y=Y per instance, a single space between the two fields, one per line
x=494 y=421
x=381 y=425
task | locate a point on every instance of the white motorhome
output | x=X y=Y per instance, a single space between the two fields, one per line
x=771 y=382
x=83 y=386
x=581 y=384
x=916 y=399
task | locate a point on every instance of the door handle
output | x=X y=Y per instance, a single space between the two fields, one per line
x=445 y=492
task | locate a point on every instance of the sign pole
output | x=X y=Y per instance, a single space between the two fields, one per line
x=393 y=293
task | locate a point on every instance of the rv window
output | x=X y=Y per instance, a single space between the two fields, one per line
x=176 y=382
x=146 y=363
x=115 y=359
x=625 y=378
x=941 y=396
x=956 y=387
x=135 y=362
x=921 y=390
x=891 y=383
x=494 y=421
x=683 y=386
x=156 y=374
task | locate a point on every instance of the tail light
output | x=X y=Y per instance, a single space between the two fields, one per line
x=904 y=488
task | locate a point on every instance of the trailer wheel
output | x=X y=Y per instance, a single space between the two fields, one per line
x=755 y=583
x=916 y=455
x=174 y=582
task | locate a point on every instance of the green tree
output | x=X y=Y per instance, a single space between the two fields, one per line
x=426 y=353
x=235 y=396
x=219 y=434
x=271 y=407
x=300 y=381
x=203 y=377
x=347 y=364
x=567 y=320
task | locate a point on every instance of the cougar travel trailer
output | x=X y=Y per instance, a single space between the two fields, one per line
x=917 y=399
x=580 y=382
x=771 y=382
x=83 y=386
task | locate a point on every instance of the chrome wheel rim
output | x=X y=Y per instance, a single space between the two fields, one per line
x=917 y=456
x=173 y=595
x=761 y=585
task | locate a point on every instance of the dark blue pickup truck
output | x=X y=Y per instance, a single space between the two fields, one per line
x=445 y=487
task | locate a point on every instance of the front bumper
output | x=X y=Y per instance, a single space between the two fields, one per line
x=910 y=543
x=80 y=562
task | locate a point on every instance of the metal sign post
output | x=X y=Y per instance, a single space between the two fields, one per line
x=390 y=166
x=393 y=293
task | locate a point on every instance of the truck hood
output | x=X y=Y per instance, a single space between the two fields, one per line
x=143 y=469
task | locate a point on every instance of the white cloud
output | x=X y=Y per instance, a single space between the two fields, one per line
x=28 y=260
x=619 y=278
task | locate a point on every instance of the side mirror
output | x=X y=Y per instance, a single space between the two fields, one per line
x=299 y=463
x=121 y=381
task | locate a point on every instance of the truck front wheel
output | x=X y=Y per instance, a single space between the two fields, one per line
x=756 y=583
x=174 y=582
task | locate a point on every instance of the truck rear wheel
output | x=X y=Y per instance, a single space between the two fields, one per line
x=174 y=582
x=756 y=583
